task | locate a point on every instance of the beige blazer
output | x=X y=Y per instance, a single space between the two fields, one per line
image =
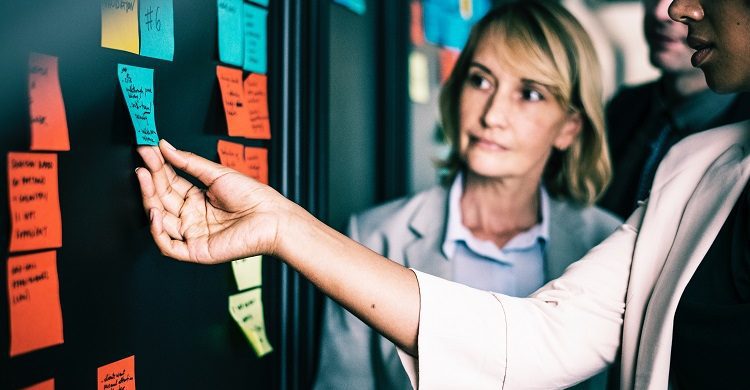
x=411 y=231
x=623 y=293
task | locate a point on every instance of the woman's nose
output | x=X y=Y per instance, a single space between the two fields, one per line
x=686 y=11
x=495 y=112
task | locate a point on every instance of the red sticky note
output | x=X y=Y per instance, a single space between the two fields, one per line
x=448 y=60
x=49 y=384
x=119 y=375
x=34 y=201
x=417 y=32
x=231 y=155
x=49 y=127
x=256 y=161
x=230 y=83
x=34 y=301
x=256 y=98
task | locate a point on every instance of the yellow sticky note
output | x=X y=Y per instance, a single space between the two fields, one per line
x=120 y=25
x=248 y=272
x=419 y=78
x=247 y=310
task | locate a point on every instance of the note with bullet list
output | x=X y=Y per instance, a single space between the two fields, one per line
x=256 y=101
x=246 y=309
x=49 y=126
x=255 y=40
x=232 y=95
x=137 y=86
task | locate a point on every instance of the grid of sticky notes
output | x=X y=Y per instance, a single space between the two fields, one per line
x=246 y=307
x=144 y=27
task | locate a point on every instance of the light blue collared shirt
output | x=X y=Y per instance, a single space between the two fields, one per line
x=517 y=269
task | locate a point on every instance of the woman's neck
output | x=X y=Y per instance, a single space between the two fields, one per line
x=498 y=209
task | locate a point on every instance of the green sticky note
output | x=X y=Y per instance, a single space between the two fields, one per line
x=248 y=272
x=231 y=36
x=137 y=86
x=246 y=309
x=254 y=20
x=157 y=29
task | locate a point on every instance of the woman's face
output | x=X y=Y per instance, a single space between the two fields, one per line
x=509 y=123
x=719 y=31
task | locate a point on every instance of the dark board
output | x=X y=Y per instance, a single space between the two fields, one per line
x=119 y=296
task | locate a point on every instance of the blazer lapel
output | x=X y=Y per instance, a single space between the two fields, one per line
x=428 y=224
x=564 y=240
x=705 y=213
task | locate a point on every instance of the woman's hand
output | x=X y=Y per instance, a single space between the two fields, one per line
x=234 y=217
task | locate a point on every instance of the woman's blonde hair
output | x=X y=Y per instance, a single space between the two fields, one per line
x=543 y=39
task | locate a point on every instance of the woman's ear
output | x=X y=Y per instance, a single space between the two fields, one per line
x=569 y=131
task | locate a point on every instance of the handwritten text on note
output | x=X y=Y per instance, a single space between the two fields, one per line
x=256 y=99
x=34 y=201
x=230 y=83
x=34 y=301
x=254 y=19
x=119 y=375
x=247 y=310
x=138 y=89
x=231 y=37
x=120 y=25
x=49 y=126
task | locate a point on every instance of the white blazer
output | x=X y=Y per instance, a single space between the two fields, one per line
x=623 y=293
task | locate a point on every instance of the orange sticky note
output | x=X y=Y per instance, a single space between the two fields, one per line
x=256 y=161
x=34 y=300
x=119 y=375
x=34 y=201
x=448 y=60
x=230 y=83
x=231 y=155
x=417 y=31
x=49 y=127
x=256 y=98
x=49 y=384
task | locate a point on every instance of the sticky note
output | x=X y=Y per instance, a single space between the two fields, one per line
x=256 y=100
x=356 y=6
x=231 y=155
x=120 y=25
x=256 y=162
x=49 y=384
x=416 y=31
x=419 y=81
x=34 y=201
x=248 y=272
x=254 y=28
x=231 y=35
x=157 y=29
x=137 y=86
x=448 y=60
x=34 y=301
x=119 y=375
x=49 y=126
x=261 y=2
x=247 y=310
x=233 y=97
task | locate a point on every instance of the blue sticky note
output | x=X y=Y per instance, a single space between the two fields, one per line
x=445 y=26
x=157 y=29
x=254 y=19
x=357 y=6
x=138 y=90
x=231 y=36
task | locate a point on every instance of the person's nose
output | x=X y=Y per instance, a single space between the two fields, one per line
x=686 y=11
x=496 y=111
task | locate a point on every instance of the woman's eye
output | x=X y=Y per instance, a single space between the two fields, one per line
x=479 y=82
x=531 y=95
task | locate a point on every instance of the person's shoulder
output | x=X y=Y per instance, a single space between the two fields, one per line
x=627 y=94
x=397 y=214
x=591 y=220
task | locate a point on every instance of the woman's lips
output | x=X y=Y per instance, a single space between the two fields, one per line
x=486 y=143
x=703 y=49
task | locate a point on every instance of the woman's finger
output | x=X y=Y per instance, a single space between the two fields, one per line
x=204 y=170
x=168 y=186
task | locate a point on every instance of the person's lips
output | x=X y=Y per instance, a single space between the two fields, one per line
x=486 y=143
x=703 y=49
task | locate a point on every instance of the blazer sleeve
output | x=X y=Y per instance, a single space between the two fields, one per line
x=564 y=333
x=345 y=356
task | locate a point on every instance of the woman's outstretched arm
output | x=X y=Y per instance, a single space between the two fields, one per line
x=235 y=216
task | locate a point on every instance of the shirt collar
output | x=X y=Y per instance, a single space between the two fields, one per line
x=457 y=232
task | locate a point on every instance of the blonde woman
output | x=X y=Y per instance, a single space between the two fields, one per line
x=522 y=111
